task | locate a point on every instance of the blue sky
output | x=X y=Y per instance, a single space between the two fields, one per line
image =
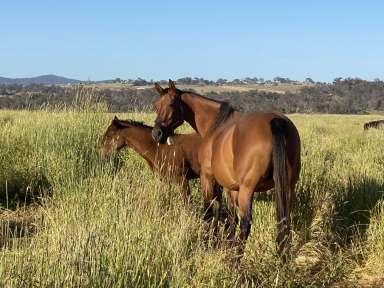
x=211 y=39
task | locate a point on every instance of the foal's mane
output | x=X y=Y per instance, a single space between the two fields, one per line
x=136 y=123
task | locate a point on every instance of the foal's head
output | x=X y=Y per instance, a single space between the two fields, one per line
x=112 y=140
x=169 y=110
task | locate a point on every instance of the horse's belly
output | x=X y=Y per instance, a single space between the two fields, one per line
x=225 y=180
x=222 y=161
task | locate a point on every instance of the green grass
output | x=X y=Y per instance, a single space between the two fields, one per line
x=111 y=223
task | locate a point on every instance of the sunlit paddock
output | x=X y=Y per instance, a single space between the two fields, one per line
x=70 y=218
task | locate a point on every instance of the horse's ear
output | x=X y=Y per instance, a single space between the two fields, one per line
x=115 y=118
x=160 y=90
x=171 y=85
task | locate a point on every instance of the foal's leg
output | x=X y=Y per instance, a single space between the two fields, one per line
x=212 y=198
x=186 y=192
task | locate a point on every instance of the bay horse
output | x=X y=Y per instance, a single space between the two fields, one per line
x=374 y=124
x=179 y=159
x=243 y=152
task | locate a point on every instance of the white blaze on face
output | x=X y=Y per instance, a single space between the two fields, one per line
x=169 y=140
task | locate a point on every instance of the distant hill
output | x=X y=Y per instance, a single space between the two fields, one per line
x=43 y=79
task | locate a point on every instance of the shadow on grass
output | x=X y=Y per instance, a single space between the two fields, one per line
x=22 y=189
x=352 y=211
x=20 y=210
x=339 y=215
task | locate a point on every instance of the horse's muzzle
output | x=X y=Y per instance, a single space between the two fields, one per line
x=159 y=135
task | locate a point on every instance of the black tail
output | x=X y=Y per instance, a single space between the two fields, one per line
x=280 y=177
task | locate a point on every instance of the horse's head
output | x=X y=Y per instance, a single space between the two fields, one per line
x=112 y=141
x=170 y=112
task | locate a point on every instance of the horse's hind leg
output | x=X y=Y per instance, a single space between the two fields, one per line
x=245 y=198
x=245 y=210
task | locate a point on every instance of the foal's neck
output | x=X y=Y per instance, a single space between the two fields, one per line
x=141 y=141
x=203 y=112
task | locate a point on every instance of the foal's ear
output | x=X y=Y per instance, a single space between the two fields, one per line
x=160 y=90
x=171 y=85
x=120 y=124
x=115 y=120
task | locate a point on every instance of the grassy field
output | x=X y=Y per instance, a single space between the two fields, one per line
x=110 y=223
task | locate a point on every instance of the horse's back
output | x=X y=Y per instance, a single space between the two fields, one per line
x=256 y=128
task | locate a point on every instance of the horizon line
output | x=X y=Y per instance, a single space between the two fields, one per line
x=192 y=77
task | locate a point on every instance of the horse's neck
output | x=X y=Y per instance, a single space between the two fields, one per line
x=203 y=112
x=142 y=143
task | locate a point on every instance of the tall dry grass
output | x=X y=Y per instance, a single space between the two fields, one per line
x=111 y=223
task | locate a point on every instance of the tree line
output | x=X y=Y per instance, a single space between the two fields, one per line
x=220 y=81
x=345 y=96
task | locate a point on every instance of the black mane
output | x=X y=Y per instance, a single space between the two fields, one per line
x=226 y=110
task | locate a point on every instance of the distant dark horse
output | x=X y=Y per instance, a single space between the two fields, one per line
x=178 y=160
x=374 y=124
x=243 y=152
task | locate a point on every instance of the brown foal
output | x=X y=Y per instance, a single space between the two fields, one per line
x=244 y=152
x=178 y=160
